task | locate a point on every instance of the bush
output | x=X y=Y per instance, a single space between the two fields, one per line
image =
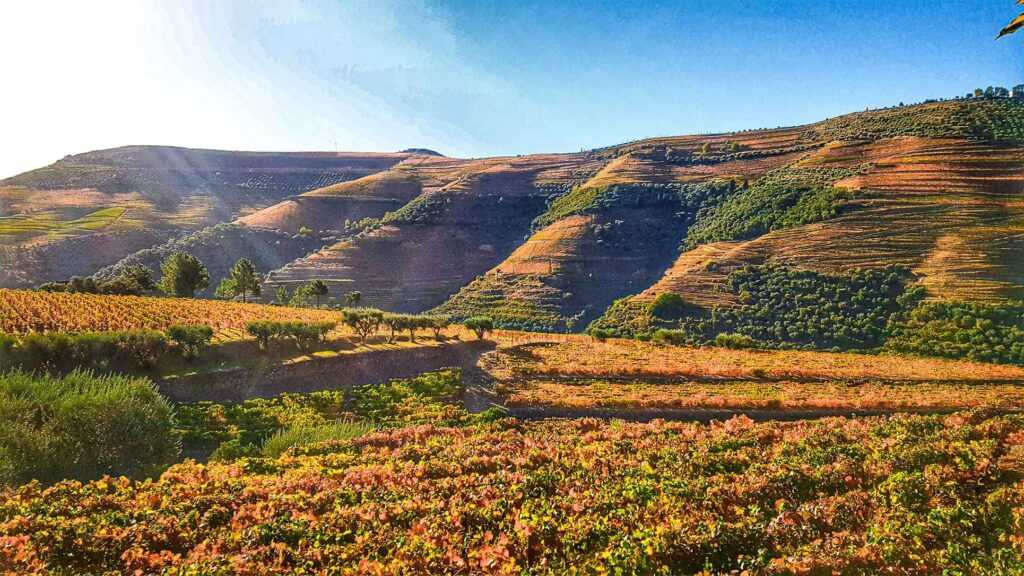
x=60 y=351
x=82 y=426
x=735 y=341
x=190 y=340
x=959 y=330
x=481 y=325
x=672 y=338
x=668 y=306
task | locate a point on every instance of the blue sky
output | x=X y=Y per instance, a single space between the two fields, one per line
x=470 y=78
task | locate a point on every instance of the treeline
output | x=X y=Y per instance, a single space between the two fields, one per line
x=127 y=351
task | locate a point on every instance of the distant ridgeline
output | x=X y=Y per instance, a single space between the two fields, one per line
x=899 y=228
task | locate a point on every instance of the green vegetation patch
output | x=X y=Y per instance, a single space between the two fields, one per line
x=515 y=302
x=82 y=426
x=782 y=307
x=785 y=198
x=982 y=332
x=52 y=223
x=690 y=200
x=243 y=429
x=982 y=119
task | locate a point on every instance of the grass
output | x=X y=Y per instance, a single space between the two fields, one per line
x=289 y=438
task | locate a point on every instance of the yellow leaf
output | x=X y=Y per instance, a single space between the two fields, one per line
x=1012 y=27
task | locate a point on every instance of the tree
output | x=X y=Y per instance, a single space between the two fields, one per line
x=183 y=275
x=281 y=295
x=132 y=279
x=481 y=325
x=439 y=323
x=978 y=92
x=226 y=289
x=245 y=279
x=1014 y=25
x=352 y=298
x=363 y=322
x=318 y=289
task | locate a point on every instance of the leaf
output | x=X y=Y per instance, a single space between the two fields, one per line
x=1013 y=26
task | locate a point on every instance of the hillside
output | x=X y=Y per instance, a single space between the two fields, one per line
x=89 y=210
x=559 y=241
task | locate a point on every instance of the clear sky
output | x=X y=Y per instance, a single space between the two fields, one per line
x=469 y=78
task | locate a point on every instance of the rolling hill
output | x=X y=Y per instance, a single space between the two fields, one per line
x=560 y=241
x=90 y=210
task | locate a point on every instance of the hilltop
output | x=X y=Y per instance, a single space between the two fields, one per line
x=559 y=241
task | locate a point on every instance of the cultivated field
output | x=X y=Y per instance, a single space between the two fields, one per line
x=581 y=357
x=583 y=375
x=901 y=495
x=24 y=311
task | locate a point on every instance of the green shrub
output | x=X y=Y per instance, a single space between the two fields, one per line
x=233 y=450
x=190 y=340
x=263 y=331
x=672 y=337
x=287 y=439
x=363 y=321
x=82 y=426
x=735 y=341
x=668 y=306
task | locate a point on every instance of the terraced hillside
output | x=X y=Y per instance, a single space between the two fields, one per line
x=89 y=210
x=469 y=217
x=935 y=188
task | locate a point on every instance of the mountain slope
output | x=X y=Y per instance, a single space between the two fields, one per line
x=90 y=210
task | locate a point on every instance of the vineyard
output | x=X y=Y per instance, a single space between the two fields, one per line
x=900 y=495
x=562 y=356
x=820 y=397
x=22 y=312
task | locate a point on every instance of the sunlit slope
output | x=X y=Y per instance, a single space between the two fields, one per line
x=935 y=187
x=471 y=215
x=949 y=210
x=89 y=210
x=617 y=233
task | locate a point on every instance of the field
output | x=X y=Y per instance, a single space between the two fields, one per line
x=772 y=396
x=581 y=357
x=906 y=495
x=636 y=379
x=24 y=311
